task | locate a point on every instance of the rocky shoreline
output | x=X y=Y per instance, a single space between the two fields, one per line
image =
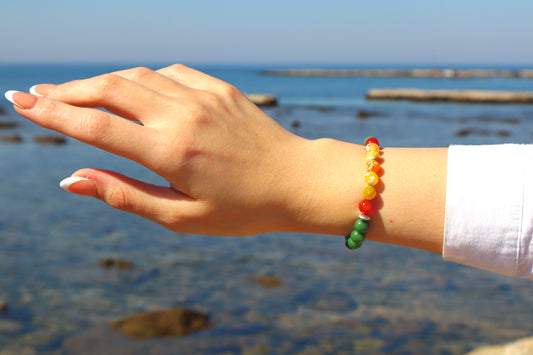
x=405 y=73
x=466 y=96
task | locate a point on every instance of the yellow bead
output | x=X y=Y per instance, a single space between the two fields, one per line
x=372 y=155
x=371 y=178
x=369 y=192
x=372 y=147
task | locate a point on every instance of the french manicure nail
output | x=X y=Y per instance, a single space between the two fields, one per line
x=41 y=89
x=66 y=183
x=21 y=99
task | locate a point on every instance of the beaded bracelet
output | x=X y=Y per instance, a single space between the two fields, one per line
x=366 y=206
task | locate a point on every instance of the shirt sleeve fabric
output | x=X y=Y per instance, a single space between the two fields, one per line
x=489 y=208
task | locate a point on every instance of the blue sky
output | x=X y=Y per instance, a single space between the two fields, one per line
x=274 y=31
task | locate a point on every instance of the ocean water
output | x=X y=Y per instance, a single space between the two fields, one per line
x=382 y=299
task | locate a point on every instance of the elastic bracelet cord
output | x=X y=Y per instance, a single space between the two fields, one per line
x=366 y=206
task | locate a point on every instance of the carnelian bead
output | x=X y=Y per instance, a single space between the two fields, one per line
x=369 y=192
x=371 y=140
x=367 y=207
x=372 y=165
x=372 y=155
x=371 y=178
x=372 y=146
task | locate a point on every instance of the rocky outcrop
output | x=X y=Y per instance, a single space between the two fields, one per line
x=263 y=99
x=519 y=347
x=166 y=323
x=108 y=263
x=51 y=140
x=414 y=73
x=466 y=96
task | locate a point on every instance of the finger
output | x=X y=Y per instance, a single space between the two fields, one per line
x=163 y=205
x=98 y=128
x=193 y=78
x=113 y=92
x=153 y=80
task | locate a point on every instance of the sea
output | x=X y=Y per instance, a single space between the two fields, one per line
x=380 y=299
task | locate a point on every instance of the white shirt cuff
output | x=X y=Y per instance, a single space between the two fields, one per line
x=489 y=208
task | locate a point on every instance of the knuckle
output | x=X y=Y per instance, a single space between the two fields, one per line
x=108 y=84
x=229 y=91
x=117 y=197
x=94 y=125
x=177 y=67
x=141 y=73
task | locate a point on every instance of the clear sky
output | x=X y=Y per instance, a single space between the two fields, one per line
x=274 y=31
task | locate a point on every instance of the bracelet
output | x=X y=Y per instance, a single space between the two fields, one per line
x=366 y=206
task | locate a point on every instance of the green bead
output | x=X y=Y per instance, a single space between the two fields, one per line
x=351 y=244
x=357 y=237
x=361 y=225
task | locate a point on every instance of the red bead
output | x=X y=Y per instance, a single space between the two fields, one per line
x=371 y=140
x=367 y=207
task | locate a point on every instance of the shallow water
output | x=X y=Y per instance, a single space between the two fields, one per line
x=382 y=299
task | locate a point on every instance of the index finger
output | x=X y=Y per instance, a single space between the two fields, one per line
x=95 y=127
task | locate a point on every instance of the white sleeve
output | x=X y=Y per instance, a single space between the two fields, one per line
x=489 y=208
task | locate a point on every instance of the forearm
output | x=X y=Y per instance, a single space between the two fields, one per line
x=411 y=194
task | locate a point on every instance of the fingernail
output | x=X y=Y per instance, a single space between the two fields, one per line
x=66 y=183
x=21 y=99
x=41 y=89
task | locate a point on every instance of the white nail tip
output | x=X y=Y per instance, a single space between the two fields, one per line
x=65 y=183
x=9 y=96
x=33 y=92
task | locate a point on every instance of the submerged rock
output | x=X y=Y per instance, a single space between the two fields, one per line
x=165 y=323
x=3 y=306
x=15 y=138
x=108 y=263
x=8 y=125
x=268 y=281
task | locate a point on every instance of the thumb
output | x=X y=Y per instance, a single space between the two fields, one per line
x=157 y=203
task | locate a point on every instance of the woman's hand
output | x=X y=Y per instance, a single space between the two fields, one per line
x=226 y=161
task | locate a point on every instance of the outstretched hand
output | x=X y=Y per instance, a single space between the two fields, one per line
x=224 y=158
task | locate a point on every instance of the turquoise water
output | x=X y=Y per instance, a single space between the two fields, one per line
x=382 y=299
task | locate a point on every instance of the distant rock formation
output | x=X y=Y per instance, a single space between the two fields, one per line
x=467 y=96
x=263 y=99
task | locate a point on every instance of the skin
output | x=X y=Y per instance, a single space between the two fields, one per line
x=232 y=170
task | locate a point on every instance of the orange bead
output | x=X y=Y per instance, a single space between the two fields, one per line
x=372 y=165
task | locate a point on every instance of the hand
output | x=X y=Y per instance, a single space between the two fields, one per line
x=226 y=161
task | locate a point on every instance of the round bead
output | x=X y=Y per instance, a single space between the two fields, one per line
x=371 y=139
x=371 y=178
x=372 y=155
x=361 y=226
x=369 y=192
x=351 y=244
x=367 y=207
x=357 y=237
x=372 y=147
x=372 y=165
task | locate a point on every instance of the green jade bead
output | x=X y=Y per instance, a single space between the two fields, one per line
x=351 y=244
x=357 y=237
x=361 y=225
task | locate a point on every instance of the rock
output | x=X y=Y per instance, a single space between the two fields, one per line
x=364 y=114
x=263 y=99
x=267 y=281
x=8 y=125
x=3 y=306
x=52 y=140
x=519 y=347
x=108 y=263
x=296 y=124
x=15 y=138
x=466 y=96
x=166 y=323
x=2 y=111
